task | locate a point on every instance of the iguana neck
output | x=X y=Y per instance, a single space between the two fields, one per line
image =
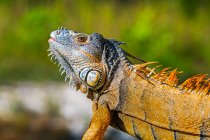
x=111 y=92
x=116 y=61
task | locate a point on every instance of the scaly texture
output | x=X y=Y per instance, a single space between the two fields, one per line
x=132 y=98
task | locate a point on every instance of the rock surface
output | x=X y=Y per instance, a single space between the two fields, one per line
x=54 y=111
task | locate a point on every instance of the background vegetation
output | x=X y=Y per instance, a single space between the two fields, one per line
x=175 y=33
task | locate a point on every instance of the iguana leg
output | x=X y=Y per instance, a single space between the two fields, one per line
x=99 y=123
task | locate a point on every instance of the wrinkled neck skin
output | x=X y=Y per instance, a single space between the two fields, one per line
x=113 y=90
x=116 y=65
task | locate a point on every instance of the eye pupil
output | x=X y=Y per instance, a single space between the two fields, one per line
x=82 y=39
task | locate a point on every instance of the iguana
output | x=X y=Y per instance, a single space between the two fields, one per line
x=132 y=98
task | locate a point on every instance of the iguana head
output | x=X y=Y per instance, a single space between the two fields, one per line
x=86 y=59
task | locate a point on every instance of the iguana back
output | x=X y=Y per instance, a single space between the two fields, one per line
x=153 y=109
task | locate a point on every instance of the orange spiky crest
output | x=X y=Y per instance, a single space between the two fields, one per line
x=172 y=79
x=197 y=84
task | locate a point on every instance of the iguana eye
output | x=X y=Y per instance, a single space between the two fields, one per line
x=82 y=38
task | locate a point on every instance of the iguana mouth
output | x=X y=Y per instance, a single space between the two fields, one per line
x=54 y=40
x=51 y=39
x=58 y=58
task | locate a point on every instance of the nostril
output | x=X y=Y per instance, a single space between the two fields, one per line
x=58 y=32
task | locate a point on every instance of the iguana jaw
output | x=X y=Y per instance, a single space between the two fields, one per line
x=65 y=67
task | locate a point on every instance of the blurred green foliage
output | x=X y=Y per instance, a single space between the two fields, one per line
x=175 y=33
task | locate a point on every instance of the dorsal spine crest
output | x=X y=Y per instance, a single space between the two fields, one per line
x=197 y=84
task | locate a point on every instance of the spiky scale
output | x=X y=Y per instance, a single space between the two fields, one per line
x=51 y=58
x=172 y=78
x=60 y=69
x=66 y=78
x=62 y=72
x=162 y=74
x=50 y=54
